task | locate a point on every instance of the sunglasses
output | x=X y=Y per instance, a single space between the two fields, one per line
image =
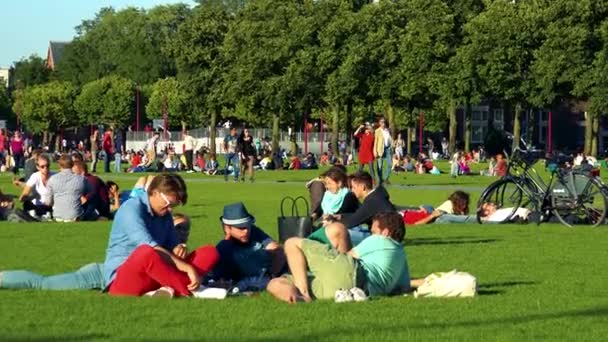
x=169 y=204
x=45 y=166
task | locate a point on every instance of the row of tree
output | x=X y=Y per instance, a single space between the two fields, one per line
x=277 y=62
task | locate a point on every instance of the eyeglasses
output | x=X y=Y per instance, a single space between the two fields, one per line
x=45 y=166
x=169 y=204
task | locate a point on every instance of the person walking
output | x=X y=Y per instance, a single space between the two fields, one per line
x=119 y=148
x=232 y=155
x=399 y=146
x=106 y=145
x=365 y=134
x=382 y=151
x=94 y=149
x=189 y=146
x=17 y=149
x=247 y=153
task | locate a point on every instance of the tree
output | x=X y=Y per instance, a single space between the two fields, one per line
x=167 y=96
x=109 y=101
x=30 y=71
x=46 y=107
x=5 y=103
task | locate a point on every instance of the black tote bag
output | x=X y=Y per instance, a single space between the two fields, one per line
x=292 y=224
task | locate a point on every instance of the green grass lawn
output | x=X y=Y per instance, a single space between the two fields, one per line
x=546 y=282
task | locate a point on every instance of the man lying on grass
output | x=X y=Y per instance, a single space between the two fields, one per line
x=378 y=265
x=143 y=251
x=87 y=277
x=248 y=256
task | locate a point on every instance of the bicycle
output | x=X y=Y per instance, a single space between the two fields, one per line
x=571 y=196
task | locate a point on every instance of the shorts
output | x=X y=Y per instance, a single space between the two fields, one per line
x=357 y=234
x=330 y=270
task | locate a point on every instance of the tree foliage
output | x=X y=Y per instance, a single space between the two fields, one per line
x=109 y=101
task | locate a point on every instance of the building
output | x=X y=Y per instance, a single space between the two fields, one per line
x=5 y=77
x=54 y=53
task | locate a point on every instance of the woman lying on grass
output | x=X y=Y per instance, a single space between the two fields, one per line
x=454 y=210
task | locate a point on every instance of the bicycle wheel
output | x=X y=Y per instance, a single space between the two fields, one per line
x=506 y=195
x=579 y=199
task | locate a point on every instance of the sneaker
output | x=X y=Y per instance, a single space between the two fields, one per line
x=210 y=293
x=163 y=292
x=343 y=296
x=358 y=294
x=190 y=171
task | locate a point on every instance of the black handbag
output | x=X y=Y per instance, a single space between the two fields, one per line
x=294 y=225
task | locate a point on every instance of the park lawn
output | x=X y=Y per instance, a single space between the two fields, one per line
x=544 y=282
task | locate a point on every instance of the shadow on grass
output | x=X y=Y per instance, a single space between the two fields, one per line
x=448 y=241
x=55 y=338
x=355 y=330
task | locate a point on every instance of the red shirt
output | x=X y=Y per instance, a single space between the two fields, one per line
x=366 y=148
x=501 y=168
x=410 y=217
x=107 y=143
x=200 y=162
x=296 y=163
x=136 y=160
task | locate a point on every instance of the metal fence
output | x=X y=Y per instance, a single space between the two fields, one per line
x=205 y=133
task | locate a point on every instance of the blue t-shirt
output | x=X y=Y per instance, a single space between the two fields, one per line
x=384 y=263
x=231 y=143
x=136 y=225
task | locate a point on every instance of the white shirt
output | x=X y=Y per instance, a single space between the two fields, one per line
x=189 y=142
x=151 y=143
x=500 y=215
x=387 y=137
x=35 y=182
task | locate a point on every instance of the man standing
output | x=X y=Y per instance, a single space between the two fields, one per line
x=189 y=146
x=143 y=251
x=445 y=148
x=66 y=192
x=106 y=145
x=232 y=155
x=377 y=267
x=382 y=151
x=119 y=148
x=94 y=149
x=151 y=148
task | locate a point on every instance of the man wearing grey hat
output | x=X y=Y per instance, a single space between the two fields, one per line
x=246 y=252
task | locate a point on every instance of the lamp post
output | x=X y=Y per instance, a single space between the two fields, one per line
x=137 y=127
x=421 y=128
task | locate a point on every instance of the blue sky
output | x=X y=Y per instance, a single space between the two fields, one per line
x=27 y=26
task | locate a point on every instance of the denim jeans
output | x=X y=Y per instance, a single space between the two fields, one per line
x=106 y=162
x=86 y=278
x=117 y=161
x=450 y=218
x=370 y=166
x=385 y=164
x=358 y=234
x=94 y=162
x=232 y=158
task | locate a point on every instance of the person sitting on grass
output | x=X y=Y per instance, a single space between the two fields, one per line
x=375 y=200
x=376 y=267
x=35 y=193
x=97 y=201
x=143 y=251
x=113 y=196
x=29 y=168
x=212 y=165
x=337 y=198
x=67 y=191
x=87 y=277
x=6 y=205
x=247 y=254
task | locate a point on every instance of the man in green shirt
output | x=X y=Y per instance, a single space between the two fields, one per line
x=378 y=265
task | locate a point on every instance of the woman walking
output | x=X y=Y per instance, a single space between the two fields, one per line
x=365 y=134
x=246 y=149
x=17 y=148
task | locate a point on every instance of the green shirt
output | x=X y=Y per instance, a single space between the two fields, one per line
x=384 y=263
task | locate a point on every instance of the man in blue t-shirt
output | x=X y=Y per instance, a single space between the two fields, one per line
x=246 y=253
x=378 y=265
x=232 y=154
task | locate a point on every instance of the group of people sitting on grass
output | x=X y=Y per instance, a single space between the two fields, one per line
x=356 y=252
x=72 y=194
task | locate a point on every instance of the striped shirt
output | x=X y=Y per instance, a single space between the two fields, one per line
x=65 y=189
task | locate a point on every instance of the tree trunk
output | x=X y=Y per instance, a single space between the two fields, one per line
x=453 y=127
x=588 y=132
x=45 y=137
x=390 y=117
x=275 y=133
x=595 y=135
x=350 y=141
x=335 y=126
x=212 y=130
x=517 y=125
x=467 y=127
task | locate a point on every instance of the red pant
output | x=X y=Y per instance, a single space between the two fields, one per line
x=145 y=270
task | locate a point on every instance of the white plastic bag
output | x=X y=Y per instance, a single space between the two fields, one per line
x=448 y=284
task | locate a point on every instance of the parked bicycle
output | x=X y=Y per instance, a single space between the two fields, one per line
x=572 y=196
